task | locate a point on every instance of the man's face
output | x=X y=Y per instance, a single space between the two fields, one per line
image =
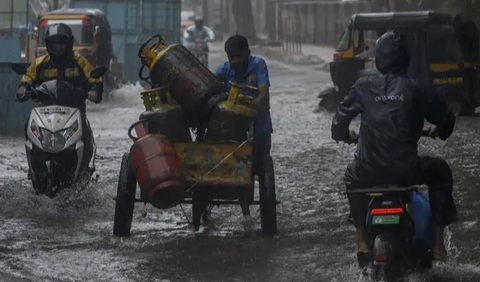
x=57 y=48
x=239 y=61
x=236 y=58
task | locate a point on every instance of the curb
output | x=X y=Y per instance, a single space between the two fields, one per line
x=290 y=58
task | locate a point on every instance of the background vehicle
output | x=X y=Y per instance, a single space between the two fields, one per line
x=444 y=51
x=54 y=147
x=198 y=49
x=93 y=39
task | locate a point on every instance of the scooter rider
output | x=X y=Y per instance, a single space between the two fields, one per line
x=63 y=64
x=393 y=108
x=198 y=32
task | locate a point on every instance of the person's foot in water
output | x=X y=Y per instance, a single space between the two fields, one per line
x=363 y=256
x=439 y=250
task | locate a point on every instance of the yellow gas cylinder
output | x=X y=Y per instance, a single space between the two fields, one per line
x=192 y=85
x=164 y=116
x=231 y=119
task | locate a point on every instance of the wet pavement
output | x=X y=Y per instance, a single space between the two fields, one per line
x=70 y=238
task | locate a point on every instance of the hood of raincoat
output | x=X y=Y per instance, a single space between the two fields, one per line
x=392 y=53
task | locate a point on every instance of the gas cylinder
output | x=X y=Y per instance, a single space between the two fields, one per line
x=159 y=172
x=192 y=84
x=230 y=120
x=164 y=116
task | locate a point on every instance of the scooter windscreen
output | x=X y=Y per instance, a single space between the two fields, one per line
x=61 y=93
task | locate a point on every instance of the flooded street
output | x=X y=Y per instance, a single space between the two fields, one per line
x=70 y=238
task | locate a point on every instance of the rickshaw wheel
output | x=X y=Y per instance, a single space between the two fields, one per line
x=125 y=201
x=268 y=198
x=467 y=109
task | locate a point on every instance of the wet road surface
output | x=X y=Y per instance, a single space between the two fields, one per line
x=70 y=238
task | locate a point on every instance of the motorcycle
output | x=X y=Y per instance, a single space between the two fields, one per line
x=198 y=48
x=54 y=147
x=399 y=229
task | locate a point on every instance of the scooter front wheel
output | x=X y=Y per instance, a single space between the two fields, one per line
x=43 y=184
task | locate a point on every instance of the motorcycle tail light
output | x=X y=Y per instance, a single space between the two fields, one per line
x=386 y=211
x=381 y=258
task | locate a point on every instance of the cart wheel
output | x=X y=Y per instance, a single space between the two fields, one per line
x=268 y=199
x=127 y=184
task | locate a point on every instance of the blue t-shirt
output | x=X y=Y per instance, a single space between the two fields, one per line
x=256 y=75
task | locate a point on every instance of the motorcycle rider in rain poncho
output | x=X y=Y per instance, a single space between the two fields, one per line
x=63 y=64
x=198 y=32
x=393 y=108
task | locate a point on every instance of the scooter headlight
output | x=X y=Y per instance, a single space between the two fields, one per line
x=52 y=141
x=69 y=132
x=36 y=130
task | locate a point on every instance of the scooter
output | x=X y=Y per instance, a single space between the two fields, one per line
x=197 y=48
x=399 y=229
x=54 y=147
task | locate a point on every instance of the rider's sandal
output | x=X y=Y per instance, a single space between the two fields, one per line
x=440 y=256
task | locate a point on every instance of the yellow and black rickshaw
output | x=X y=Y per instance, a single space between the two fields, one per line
x=444 y=55
x=93 y=38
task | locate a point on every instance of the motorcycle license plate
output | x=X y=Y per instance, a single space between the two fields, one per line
x=385 y=219
x=54 y=110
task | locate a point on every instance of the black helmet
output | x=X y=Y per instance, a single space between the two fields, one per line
x=392 y=53
x=198 y=21
x=58 y=34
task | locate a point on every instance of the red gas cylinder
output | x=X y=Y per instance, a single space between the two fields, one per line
x=159 y=171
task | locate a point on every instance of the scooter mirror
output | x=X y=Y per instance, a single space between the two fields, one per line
x=19 y=69
x=98 y=72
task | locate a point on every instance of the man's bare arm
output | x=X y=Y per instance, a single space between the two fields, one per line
x=263 y=94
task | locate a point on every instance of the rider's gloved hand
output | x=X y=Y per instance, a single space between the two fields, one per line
x=93 y=96
x=22 y=94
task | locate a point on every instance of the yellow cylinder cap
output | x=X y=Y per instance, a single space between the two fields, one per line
x=149 y=53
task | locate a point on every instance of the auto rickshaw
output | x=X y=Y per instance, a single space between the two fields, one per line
x=444 y=55
x=93 y=39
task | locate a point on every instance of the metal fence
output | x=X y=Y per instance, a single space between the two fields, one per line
x=13 y=115
x=311 y=22
x=13 y=13
x=291 y=35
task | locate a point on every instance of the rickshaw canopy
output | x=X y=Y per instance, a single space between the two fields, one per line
x=418 y=19
x=96 y=14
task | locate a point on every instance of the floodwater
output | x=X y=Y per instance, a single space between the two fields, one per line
x=70 y=238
